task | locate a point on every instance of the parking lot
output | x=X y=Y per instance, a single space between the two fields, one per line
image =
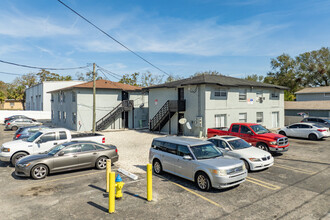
x=296 y=187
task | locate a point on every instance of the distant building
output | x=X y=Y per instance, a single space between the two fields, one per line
x=117 y=106
x=209 y=101
x=37 y=97
x=313 y=102
x=313 y=94
x=11 y=104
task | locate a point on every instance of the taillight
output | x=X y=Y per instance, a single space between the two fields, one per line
x=18 y=135
x=321 y=130
x=6 y=119
x=103 y=140
x=116 y=150
x=8 y=123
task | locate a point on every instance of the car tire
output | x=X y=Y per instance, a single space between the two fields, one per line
x=312 y=137
x=282 y=133
x=157 y=167
x=14 y=128
x=263 y=146
x=203 y=181
x=16 y=157
x=39 y=171
x=101 y=163
x=247 y=165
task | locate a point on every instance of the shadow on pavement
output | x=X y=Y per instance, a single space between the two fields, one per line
x=96 y=187
x=135 y=195
x=98 y=206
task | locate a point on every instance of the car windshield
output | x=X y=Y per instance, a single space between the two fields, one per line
x=33 y=137
x=327 y=120
x=206 y=151
x=55 y=149
x=259 y=129
x=239 y=144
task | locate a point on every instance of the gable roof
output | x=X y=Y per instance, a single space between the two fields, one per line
x=103 y=84
x=215 y=80
x=321 y=89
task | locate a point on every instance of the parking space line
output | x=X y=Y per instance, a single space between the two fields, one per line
x=196 y=194
x=65 y=178
x=294 y=169
x=262 y=183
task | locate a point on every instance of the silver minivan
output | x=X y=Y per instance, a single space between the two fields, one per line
x=196 y=160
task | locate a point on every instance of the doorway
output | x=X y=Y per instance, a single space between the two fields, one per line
x=275 y=122
x=180 y=93
x=220 y=120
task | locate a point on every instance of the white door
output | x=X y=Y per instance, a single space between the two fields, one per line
x=275 y=123
x=45 y=142
x=220 y=120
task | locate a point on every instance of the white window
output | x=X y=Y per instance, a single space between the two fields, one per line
x=12 y=104
x=59 y=115
x=64 y=116
x=260 y=117
x=220 y=120
x=74 y=117
x=242 y=95
x=220 y=93
x=274 y=95
x=242 y=117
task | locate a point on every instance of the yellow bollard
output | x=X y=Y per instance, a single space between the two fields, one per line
x=108 y=173
x=112 y=192
x=149 y=182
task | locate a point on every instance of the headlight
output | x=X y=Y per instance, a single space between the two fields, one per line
x=273 y=143
x=254 y=159
x=25 y=165
x=244 y=167
x=220 y=172
x=5 y=149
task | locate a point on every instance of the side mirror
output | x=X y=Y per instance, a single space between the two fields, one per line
x=39 y=141
x=187 y=157
x=60 y=153
x=249 y=132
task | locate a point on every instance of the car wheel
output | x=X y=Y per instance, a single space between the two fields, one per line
x=247 y=165
x=157 y=166
x=101 y=163
x=312 y=137
x=262 y=146
x=14 y=128
x=282 y=133
x=39 y=171
x=17 y=156
x=203 y=181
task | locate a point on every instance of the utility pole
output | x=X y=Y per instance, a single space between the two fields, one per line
x=94 y=91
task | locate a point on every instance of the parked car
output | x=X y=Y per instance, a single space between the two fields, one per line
x=321 y=121
x=255 y=134
x=26 y=132
x=15 y=117
x=64 y=157
x=42 y=141
x=254 y=158
x=196 y=160
x=305 y=130
x=14 y=124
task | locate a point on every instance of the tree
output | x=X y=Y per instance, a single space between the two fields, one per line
x=214 y=73
x=314 y=67
x=45 y=75
x=255 y=78
x=130 y=79
x=172 y=78
x=148 y=79
x=88 y=76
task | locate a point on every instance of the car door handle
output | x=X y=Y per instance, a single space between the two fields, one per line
x=74 y=155
x=94 y=153
x=55 y=143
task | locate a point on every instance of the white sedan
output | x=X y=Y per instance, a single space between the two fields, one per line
x=305 y=130
x=254 y=158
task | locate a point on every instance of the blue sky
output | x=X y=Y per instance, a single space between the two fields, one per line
x=235 y=38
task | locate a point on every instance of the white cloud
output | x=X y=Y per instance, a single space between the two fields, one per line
x=16 y=25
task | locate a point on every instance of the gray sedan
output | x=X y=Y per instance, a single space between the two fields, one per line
x=68 y=156
x=14 y=124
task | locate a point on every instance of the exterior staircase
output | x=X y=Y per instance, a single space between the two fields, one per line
x=165 y=113
x=111 y=117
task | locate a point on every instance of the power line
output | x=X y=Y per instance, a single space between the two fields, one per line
x=11 y=73
x=109 y=71
x=45 y=68
x=136 y=54
x=109 y=74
